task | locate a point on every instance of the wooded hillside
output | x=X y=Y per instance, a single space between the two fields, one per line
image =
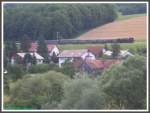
x=50 y=20
x=128 y=9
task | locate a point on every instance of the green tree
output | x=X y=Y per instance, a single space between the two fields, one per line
x=115 y=50
x=25 y=45
x=15 y=72
x=48 y=89
x=128 y=9
x=40 y=68
x=70 y=20
x=82 y=93
x=10 y=49
x=68 y=69
x=27 y=58
x=42 y=48
x=34 y=59
x=125 y=84
x=61 y=24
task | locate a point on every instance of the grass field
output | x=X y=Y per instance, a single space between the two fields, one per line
x=125 y=17
x=133 y=46
x=124 y=26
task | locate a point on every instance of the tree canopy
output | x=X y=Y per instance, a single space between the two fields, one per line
x=125 y=84
x=38 y=90
x=127 y=9
x=69 y=20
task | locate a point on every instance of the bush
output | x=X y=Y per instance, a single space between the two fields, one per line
x=141 y=51
x=68 y=69
x=125 y=84
x=40 y=68
x=6 y=99
x=38 y=90
x=82 y=93
x=15 y=72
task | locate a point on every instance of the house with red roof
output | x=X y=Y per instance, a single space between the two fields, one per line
x=72 y=55
x=97 y=51
x=51 y=48
x=97 y=66
x=93 y=66
x=39 y=58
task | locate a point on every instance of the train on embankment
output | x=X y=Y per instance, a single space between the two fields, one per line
x=97 y=41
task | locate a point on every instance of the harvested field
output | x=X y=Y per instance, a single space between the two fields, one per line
x=134 y=27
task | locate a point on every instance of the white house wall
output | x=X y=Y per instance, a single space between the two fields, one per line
x=39 y=61
x=61 y=61
x=56 y=50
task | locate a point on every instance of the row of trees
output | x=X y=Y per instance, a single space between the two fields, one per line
x=50 y=20
x=127 y=9
x=122 y=86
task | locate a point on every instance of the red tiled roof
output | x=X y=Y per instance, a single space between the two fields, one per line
x=95 y=50
x=34 y=47
x=100 y=64
x=50 y=47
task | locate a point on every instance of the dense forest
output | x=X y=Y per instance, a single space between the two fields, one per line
x=127 y=9
x=52 y=20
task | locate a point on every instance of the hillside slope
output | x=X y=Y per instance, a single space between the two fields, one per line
x=134 y=27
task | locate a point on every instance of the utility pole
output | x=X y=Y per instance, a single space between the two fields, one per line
x=57 y=35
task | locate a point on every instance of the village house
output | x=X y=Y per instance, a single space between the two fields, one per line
x=97 y=66
x=39 y=58
x=108 y=53
x=97 y=51
x=74 y=54
x=125 y=54
x=93 y=66
x=51 y=48
x=122 y=54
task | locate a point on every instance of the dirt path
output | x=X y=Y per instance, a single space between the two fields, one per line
x=135 y=27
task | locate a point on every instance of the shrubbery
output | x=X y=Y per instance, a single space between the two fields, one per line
x=82 y=93
x=68 y=69
x=39 y=68
x=125 y=84
x=38 y=90
x=128 y=9
x=15 y=72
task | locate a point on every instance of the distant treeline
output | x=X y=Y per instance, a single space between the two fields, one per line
x=54 y=20
x=127 y=9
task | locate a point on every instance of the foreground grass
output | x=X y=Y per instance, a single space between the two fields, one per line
x=133 y=46
x=124 y=17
